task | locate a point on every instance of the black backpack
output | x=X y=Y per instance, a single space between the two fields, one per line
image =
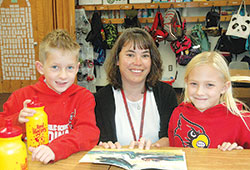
x=97 y=35
x=212 y=18
x=230 y=44
x=131 y=19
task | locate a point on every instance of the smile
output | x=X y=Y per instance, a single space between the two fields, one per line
x=61 y=83
x=136 y=71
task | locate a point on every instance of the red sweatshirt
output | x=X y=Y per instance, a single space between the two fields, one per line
x=71 y=118
x=188 y=127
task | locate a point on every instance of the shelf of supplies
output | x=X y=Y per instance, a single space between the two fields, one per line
x=196 y=4
x=151 y=20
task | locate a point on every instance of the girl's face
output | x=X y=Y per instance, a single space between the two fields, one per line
x=134 y=64
x=205 y=84
x=59 y=69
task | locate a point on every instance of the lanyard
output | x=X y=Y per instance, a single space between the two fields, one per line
x=129 y=117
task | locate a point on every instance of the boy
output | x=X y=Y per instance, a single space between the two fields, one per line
x=70 y=108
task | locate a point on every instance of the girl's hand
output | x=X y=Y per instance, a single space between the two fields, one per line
x=25 y=112
x=142 y=143
x=227 y=146
x=110 y=145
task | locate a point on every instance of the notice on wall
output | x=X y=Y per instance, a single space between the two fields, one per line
x=17 y=42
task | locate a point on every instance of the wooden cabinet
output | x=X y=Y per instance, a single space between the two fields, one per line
x=43 y=16
x=197 y=4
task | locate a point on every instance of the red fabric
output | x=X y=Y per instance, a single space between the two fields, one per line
x=70 y=114
x=182 y=45
x=188 y=127
x=157 y=31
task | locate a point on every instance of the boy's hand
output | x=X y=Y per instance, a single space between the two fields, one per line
x=25 y=112
x=42 y=153
x=227 y=146
x=110 y=145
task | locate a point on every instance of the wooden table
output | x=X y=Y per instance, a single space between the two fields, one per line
x=197 y=159
x=238 y=91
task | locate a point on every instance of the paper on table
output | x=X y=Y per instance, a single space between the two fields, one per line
x=138 y=159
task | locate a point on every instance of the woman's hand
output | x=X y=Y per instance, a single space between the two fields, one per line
x=110 y=145
x=141 y=144
x=227 y=146
x=147 y=144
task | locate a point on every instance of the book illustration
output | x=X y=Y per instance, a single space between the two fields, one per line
x=138 y=159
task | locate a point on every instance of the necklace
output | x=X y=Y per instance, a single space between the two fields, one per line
x=129 y=117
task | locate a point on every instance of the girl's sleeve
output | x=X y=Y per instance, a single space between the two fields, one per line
x=244 y=134
x=171 y=129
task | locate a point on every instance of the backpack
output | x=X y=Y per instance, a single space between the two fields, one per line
x=199 y=37
x=181 y=45
x=230 y=44
x=173 y=25
x=111 y=34
x=212 y=18
x=184 y=57
x=212 y=23
x=157 y=30
x=96 y=35
x=131 y=19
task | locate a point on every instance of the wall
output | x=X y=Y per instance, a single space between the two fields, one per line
x=167 y=54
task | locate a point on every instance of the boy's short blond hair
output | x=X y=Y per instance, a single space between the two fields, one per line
x=58 y=39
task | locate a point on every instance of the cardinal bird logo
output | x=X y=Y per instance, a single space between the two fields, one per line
x=191 y=134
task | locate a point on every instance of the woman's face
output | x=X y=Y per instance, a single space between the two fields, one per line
x=134 y=64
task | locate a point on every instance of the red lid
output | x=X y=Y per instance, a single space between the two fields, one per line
x=9 y=130
x=35 y=103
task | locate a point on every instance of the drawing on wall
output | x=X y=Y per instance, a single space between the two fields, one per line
x=17 y=42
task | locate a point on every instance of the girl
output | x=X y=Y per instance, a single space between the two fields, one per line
x=209 y=117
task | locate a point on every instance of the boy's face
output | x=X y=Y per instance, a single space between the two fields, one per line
x=205 y=85
x=60 y=69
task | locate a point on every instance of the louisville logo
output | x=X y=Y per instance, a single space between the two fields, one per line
x=191 y=134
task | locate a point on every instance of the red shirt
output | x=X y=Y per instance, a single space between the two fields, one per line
x=188 y=127
x=71 y=118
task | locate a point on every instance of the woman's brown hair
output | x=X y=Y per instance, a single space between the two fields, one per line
x=141 y=39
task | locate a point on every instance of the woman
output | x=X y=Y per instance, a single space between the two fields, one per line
x=135 y=107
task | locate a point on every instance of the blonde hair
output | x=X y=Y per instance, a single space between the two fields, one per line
x=218 y=62
x=143 y=40
x=58 y=39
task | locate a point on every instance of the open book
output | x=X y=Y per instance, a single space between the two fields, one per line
x=134 y=159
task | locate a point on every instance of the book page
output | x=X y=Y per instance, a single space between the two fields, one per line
x=138 y=159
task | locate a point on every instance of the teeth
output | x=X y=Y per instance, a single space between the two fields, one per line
x=137 y=71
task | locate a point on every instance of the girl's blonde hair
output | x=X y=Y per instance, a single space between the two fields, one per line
x=218 y=62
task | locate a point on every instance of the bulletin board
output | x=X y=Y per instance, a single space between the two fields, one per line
x=17 y=41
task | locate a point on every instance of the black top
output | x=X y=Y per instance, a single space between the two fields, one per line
x=165 y=98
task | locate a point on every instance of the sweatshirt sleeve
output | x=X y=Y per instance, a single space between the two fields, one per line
x=11 y=110
x=244 y=134
x=171 y=128
x=84 y=135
